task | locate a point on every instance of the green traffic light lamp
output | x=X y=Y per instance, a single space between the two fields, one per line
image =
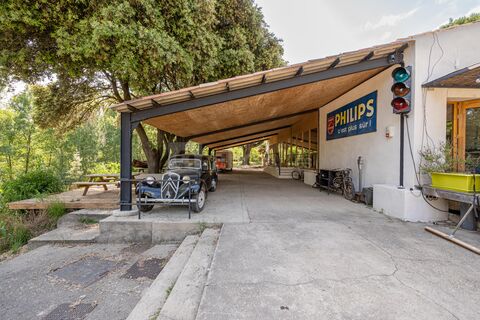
x=400 y=74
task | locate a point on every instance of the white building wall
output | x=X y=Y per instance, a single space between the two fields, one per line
x=432 y=55
x=379 y=153
x=437 y=54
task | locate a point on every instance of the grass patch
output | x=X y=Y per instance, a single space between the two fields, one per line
x=169 y=290
x=87 y=220
x=13 y=232
x=56 y=210
x=202 y=226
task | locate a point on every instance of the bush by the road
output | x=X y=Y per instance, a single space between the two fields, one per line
x=36 y=183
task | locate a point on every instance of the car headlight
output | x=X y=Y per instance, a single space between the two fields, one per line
x=186 y=179
x=150 y=180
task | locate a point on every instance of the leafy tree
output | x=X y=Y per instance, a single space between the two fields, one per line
x=97 y=52
x=16 y=133
x=247 y=149
x=7 y=138
x=462 y=20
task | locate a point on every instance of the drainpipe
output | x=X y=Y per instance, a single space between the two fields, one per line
x=360 y=172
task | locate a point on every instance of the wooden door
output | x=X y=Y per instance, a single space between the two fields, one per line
x=463 y=129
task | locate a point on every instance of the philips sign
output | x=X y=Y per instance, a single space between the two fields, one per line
x=357 y=117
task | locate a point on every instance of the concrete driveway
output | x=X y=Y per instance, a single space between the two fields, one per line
x=308 y=255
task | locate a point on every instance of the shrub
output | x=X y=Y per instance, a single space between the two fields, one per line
x=13 y=233
x=108 y=167
x=31 y=184
x=56 y=210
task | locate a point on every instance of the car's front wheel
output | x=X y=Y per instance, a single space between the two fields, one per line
x=213 y=186
x=144 y=207
x=199 y=199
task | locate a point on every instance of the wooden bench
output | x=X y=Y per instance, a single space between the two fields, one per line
x=88 y=184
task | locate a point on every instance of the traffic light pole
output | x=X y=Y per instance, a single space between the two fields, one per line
x=402 y=142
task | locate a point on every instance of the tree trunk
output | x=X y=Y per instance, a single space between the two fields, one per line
x=246 y=154
x=157 y=157
x=150 y=152
x=29 y=150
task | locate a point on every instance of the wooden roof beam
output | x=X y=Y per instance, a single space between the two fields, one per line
x=156 y=104
x=253 y=123
x=131 y=108
x=236 y=144
x=334 y=63
x=368 y=56
x=299 y=71
x=246 y=135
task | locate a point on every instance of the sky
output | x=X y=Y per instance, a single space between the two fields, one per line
x=313 y=29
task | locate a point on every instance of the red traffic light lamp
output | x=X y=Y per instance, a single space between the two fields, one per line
x=400 y=105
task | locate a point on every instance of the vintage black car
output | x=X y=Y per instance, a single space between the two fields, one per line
x=188 y=179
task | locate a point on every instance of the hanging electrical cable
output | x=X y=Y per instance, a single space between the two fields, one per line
x=417 y=175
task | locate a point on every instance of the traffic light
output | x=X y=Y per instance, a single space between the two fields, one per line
x=401 y=89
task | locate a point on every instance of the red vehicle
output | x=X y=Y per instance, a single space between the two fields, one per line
x=224 y=160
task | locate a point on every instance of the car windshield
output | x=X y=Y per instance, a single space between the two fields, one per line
x=184 y=163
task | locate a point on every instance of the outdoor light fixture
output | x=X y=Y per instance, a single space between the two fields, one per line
x=401 y=89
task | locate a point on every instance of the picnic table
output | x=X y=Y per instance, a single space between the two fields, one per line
x=98 y=179
x=101 y=179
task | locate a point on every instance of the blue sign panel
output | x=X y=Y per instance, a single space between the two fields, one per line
x=357 y=117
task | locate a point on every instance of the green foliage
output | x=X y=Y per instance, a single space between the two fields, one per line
x=102 y=51
x=442 y=159
x=97 y=53
x=255 y=156
x=31 y=184
x=105 y=167
x=56 y=210
x=13 y=233
x=462 y=20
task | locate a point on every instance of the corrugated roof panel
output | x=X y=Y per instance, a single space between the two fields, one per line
x=282 y=73
x=208 y=90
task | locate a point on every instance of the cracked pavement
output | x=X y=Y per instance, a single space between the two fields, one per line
x=309 y=255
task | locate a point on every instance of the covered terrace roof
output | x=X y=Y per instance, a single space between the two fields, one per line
x=468 y=78
x=257 y=106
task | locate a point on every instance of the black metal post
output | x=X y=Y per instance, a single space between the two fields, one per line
x=189 y=201
x=402 y=142
x=126 y=162
x=200 y=148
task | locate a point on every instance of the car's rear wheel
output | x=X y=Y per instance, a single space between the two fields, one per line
x=199 y=199
x=213 y=186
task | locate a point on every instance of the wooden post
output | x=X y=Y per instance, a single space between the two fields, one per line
x=303 y=149
x=309 y=148
x=462 y=121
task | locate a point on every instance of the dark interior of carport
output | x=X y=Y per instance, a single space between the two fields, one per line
x=251 y=107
